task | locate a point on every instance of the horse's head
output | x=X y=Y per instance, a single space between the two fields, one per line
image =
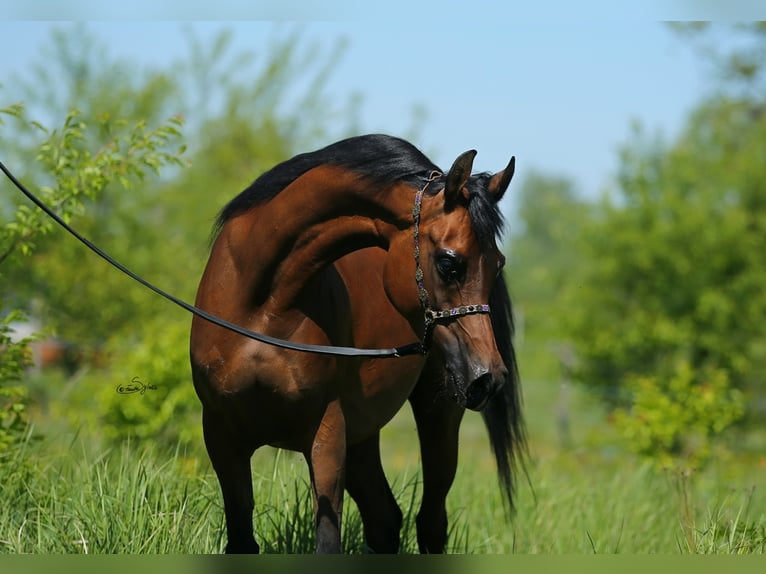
x=455 y=245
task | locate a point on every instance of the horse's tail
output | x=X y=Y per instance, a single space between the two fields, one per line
x=502 y=415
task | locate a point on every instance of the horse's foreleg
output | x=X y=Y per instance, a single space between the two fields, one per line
x=231 y=461
x=326 y=460
x=366 y=483
x=438 y=423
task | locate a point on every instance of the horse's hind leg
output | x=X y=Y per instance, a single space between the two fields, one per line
x=231 y=461
x=367 y=485
x=438 y=422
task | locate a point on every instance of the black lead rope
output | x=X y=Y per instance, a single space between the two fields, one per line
x=404 y=350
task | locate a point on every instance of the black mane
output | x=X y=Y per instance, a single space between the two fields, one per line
x=382 y=159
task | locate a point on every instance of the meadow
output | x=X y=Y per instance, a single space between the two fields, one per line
x=634 y=283
x=67 y=492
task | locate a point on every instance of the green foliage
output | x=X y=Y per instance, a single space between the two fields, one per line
x=667 y=315
x=664 y=312
x=736 y=52
x=544 y=262
x=149 y=395
x=246 y=112
x=82 y=161
x=14 y=358
x=726 y=527
x=243 y=112
x=78 y=175
x=673 y=420
x=676 y=271
x=14 y=354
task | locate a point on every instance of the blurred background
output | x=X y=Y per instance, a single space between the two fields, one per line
x=636 y=220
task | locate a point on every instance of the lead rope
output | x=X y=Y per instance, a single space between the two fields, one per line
x=404 y=350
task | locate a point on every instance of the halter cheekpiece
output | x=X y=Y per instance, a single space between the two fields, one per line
x=431 y=315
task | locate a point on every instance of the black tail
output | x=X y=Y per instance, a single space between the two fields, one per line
x=502 y=415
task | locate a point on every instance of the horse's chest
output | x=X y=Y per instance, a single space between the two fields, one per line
x=382 y=389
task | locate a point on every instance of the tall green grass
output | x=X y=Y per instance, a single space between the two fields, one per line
x=135 y=499
x=67 y=493
x=128 y=500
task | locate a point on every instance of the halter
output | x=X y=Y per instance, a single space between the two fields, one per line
x=432 y=316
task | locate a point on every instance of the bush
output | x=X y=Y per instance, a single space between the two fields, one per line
x=165 y=407
x=146 y=394
x=13 y=397
x=673 y=420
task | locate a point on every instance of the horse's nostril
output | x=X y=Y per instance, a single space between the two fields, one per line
x=480 y=391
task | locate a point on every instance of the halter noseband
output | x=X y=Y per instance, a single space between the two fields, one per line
x=431 y=315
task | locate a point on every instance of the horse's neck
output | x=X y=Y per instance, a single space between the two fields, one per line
x=323 y=215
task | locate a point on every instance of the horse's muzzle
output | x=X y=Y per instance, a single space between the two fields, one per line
x=482 y=389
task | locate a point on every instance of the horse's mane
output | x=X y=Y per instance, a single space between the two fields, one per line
x=380 y=158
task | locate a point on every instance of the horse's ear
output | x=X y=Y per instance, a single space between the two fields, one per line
x=457 y=178
x=498 y=183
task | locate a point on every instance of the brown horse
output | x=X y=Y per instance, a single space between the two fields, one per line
x=364 y=243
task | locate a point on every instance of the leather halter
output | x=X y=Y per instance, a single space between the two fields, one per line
x=430 y=315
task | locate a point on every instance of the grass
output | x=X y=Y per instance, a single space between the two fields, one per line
x=67 y=494
x=128 y=500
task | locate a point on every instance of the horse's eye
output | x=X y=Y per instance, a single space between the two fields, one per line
x=451 y=267
x=446 y=267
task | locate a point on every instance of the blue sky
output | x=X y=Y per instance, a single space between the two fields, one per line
x=559 y=92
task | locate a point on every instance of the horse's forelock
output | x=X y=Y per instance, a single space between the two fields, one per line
x=487 y=220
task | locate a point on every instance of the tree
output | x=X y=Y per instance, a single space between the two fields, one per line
x=674 y=297
x=239 y=125
x=544 y=262
x=735 y=54
x=242 y=115
x=79 y=175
